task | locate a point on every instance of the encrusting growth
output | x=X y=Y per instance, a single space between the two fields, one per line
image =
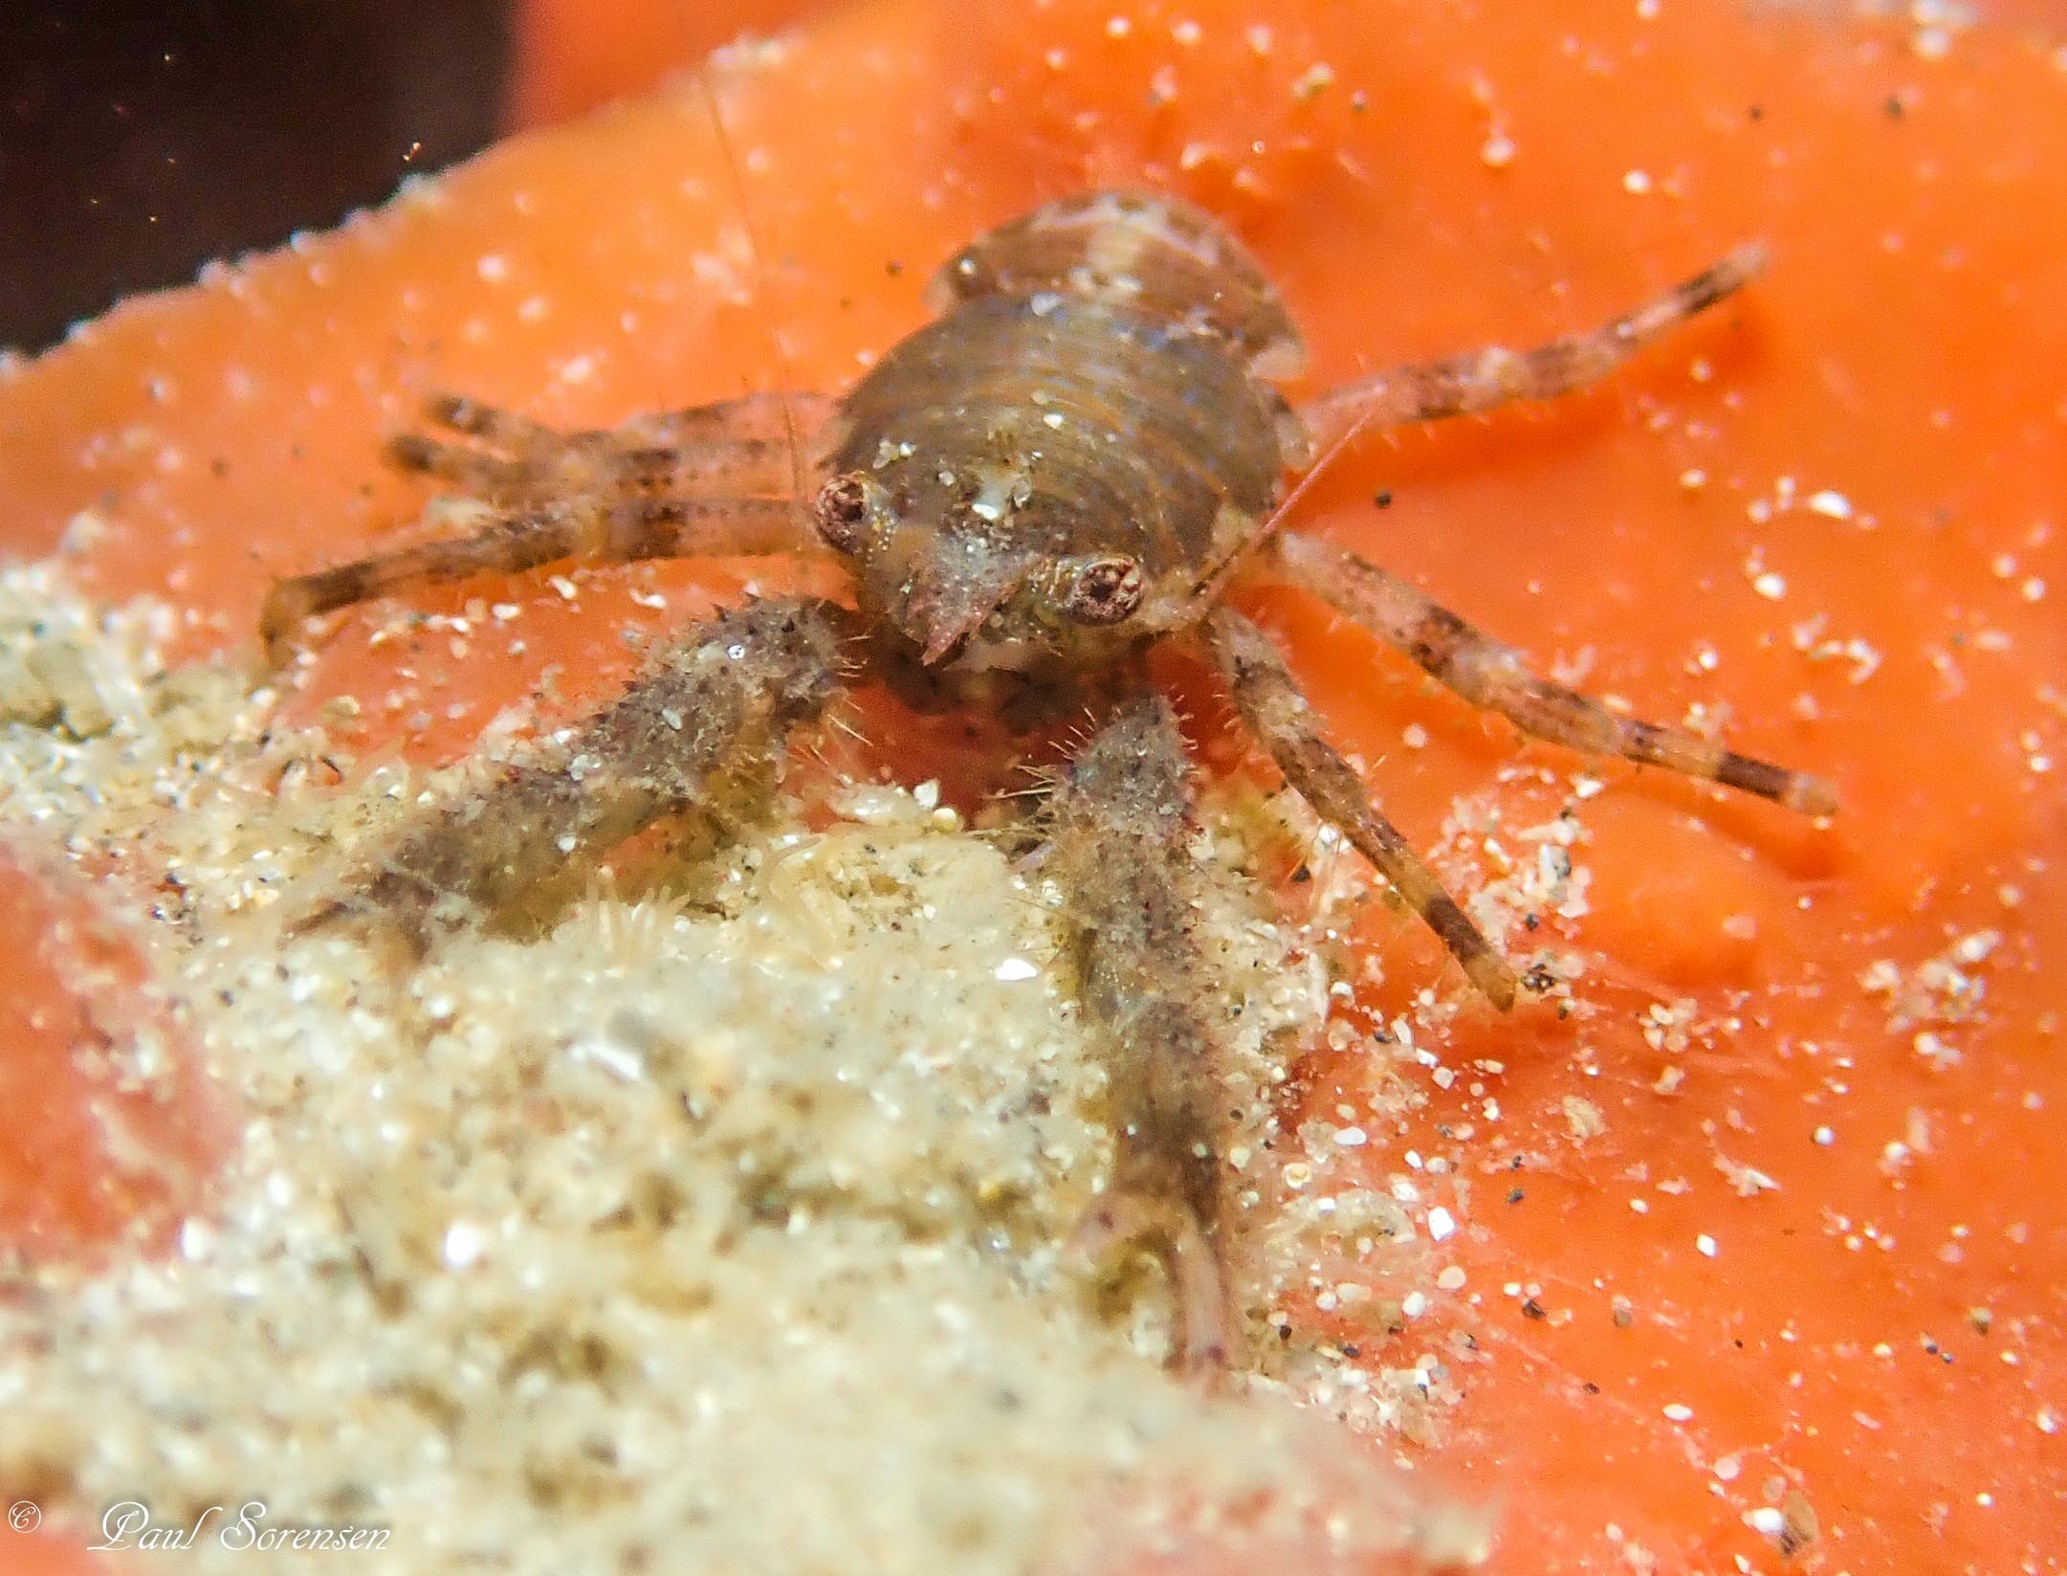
x=1071 y=463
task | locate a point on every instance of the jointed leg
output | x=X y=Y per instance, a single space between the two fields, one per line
x=740 y=448
x=1270 y=702
x=1118 y=850
x=713 y=480
x=1482 y=379
x=1493 y=675
x=699 y=735
x=768 y=415
x=591 y=529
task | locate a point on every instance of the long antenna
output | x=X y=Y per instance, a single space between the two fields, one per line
x=1222 y=572
x=783 y=381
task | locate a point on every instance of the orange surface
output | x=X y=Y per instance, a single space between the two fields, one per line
x=1905 y=352
x=92 y=1150
x=573 y=55
x=48 y=1553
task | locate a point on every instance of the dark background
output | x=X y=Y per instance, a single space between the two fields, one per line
x=138 y=140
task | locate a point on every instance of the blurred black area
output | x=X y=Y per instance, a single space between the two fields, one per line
x=139 y=138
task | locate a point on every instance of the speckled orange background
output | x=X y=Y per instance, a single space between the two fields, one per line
x=1421 y=177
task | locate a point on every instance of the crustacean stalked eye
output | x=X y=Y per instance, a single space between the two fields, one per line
x=1102 y=590
x=844 y=512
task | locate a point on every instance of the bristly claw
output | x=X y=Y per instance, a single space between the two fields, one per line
x=1118 y=850
x=699 y=735
x=1208 y=1326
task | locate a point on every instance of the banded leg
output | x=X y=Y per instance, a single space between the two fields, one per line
x=1479 y=380
x=590 y=529
x=742 y=448
x=1495 y=676
x=1269 y=699
x=699 y=735
x=1118 y=851
x=713 y=480
x=772 y=419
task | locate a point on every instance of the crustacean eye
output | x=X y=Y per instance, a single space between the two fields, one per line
x=844 y=512
x=1102 y=590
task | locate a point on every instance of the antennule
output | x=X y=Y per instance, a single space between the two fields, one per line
x=784 y=382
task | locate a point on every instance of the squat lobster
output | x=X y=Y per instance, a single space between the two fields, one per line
x=1066 y=466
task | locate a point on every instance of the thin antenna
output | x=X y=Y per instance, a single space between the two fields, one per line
x=783 y=380
x=1209 y=588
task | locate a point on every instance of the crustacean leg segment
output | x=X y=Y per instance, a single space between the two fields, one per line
x=709 y=481
x=1480 y=380
x=1278 y=714
x=697 y=738
x=1119 y=851
x=1488 y=673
